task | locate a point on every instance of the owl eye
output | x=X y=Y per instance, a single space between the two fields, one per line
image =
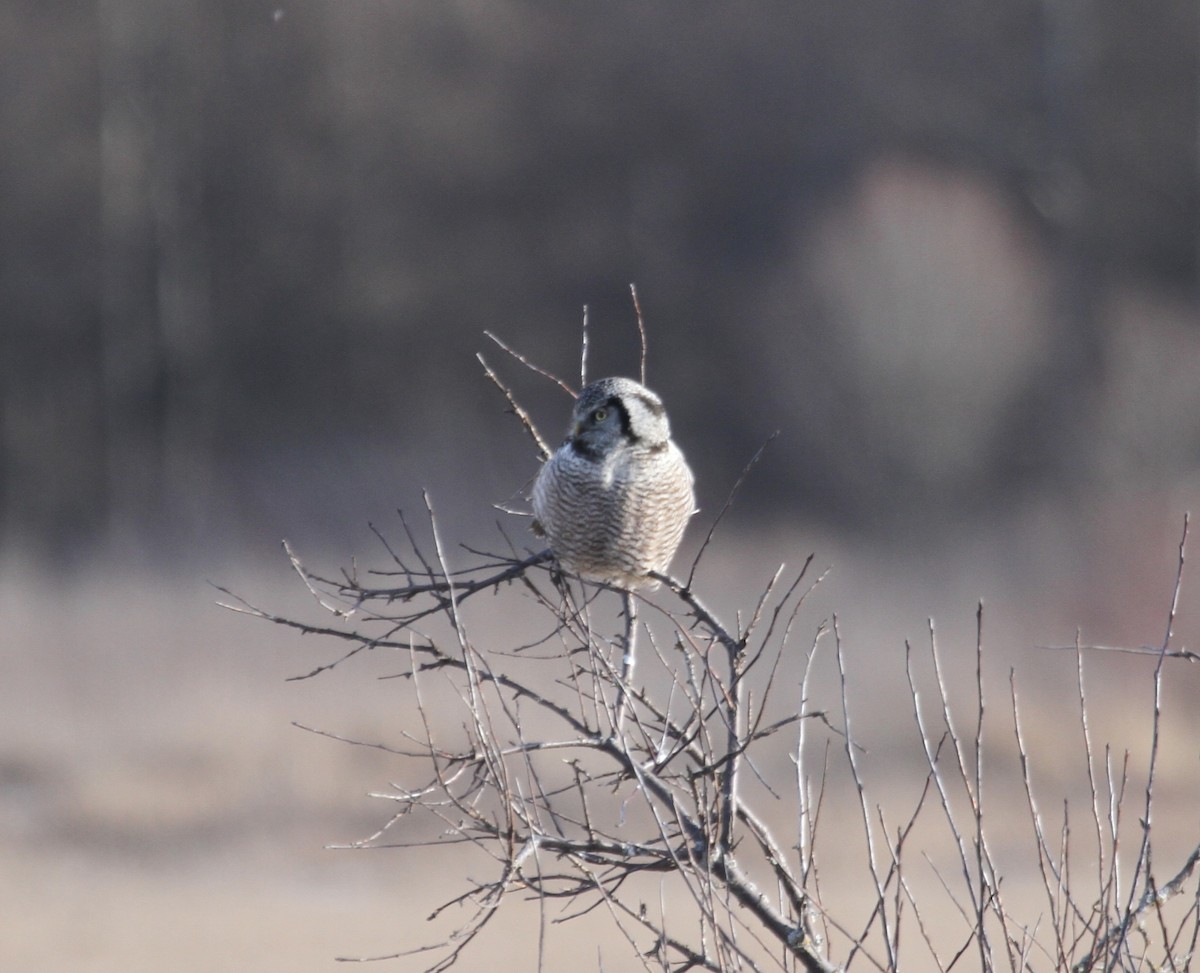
x=600 y=415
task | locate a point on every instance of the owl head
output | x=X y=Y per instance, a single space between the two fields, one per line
x=618 y=412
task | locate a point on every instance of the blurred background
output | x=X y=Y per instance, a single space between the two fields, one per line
x=248 y=252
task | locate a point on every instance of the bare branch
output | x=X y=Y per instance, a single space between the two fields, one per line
x=531 y=366
x=758 y=454
x=544 y=451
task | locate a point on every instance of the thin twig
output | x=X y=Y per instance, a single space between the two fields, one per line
x=544 y=451
x=628 y=657
x=641 y=326
x=532 y=367
x=758 y=454
x=1143 y=864
x=583 y=351
x=1151 y=650
x=860 y=790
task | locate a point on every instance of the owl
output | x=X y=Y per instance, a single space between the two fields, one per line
x=615 y=498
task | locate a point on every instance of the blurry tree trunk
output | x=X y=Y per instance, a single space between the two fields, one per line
x=156 y=333
x=50 y=464
x=1074 y=367
x=376 y=273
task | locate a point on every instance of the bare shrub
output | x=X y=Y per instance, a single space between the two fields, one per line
x=655 y=793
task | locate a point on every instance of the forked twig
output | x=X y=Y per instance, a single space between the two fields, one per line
x=531 y=366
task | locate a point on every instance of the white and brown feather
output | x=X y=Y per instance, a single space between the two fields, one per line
x=615 y=498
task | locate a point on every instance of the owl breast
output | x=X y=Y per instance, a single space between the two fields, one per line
x=618 y=516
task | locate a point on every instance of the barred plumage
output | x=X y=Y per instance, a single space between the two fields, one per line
x=615 y=498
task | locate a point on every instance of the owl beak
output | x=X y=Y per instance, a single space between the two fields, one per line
x=576 y=430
